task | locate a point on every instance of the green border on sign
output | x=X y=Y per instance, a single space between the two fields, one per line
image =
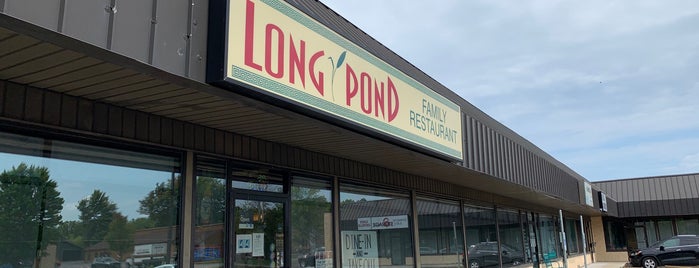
x=303 y=97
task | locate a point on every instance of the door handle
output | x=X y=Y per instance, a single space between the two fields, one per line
x=678 y=250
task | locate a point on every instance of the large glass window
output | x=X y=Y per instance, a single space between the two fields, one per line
x=511 y=239
x=375 y=227
x=481 y=236
x=651 y=232
x=614 y=235
x=549 y=237
x=311 y=223
x=76 y=204
x=441 y=235
x=209 y=214
x=572 y=241
x=687 y=226
x=665 y=229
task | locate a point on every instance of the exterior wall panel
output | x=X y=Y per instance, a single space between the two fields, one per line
x=45 y=14
x=171 y=38
x=87 y=20
x=198 y=37
x=132 y=29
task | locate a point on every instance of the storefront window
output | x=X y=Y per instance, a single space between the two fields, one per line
x=614 y=235
x=210 y=212
x=441 y=235
x=311 y=223
x=511 y=239
x=252 y=178
x=375 y=227
x=481 y=237
x=665 y=229
x=572 y=228
x=80 y=204
x=549 y=237
x=687 y=226
x=651 y=231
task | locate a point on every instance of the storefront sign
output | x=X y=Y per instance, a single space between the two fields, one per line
x=149 y=249
x=387 y=222
x=588 y=195
x=279 y=50
x=359 y=249
x=603 y=201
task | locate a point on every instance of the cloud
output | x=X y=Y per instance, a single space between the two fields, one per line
x=593 y=83
x=689 y=163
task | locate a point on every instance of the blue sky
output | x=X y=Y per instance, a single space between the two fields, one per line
x=609 y=88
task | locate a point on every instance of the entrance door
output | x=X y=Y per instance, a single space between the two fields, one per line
x=259 y=229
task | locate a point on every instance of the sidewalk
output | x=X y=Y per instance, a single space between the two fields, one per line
x=622 y=264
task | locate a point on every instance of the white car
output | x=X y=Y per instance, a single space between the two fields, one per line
x=167 y=266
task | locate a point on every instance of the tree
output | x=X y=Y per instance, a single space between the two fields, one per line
x=96 y=213
x=161 y=204
x=308 y=210
x=71 y=231
x=211 y=201
x=30 y=208
x=120 y=235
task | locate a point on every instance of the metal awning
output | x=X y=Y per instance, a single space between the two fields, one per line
x=34 y=56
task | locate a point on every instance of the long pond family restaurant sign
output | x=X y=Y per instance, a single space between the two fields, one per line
x=276 y=48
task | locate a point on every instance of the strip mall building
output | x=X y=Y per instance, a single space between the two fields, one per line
x=269 y=133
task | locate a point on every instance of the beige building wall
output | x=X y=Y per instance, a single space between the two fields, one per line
x=600 y=250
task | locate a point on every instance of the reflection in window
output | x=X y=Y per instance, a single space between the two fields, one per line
x=511 y=241
x=687 y=226
x=549 y=237
x=665 y=229
x=210 y=211
x=441 y=237
x=572 y=241
x=481 y=237
x=374 y=227
x=75 y=203
x=311 y=219
x=614 y=235
x=257 y=179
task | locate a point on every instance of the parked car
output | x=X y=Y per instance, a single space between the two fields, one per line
x=167 y=266
x=428 y=251
x=309 y=259
x=105 y=262
x=676 y=250
x=485 y=254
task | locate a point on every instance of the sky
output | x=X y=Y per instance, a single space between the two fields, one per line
x=609 y=88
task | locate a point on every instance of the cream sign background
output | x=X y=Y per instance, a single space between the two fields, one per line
x=276 y=48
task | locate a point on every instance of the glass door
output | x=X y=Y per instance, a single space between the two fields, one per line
x=259 y=228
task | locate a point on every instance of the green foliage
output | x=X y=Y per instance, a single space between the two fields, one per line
x=71 y=231
x=29 y=214
x=161 y=204
x=142 y=223
x=96 y=213
x=307 y=211
x=120 y=235
x=211 y=200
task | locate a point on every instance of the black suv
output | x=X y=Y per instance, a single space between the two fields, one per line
x=677 y=250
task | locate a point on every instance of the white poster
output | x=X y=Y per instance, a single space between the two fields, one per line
x=385 y=222
x=359 y=249
x=243 y=243
x=258 y=244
